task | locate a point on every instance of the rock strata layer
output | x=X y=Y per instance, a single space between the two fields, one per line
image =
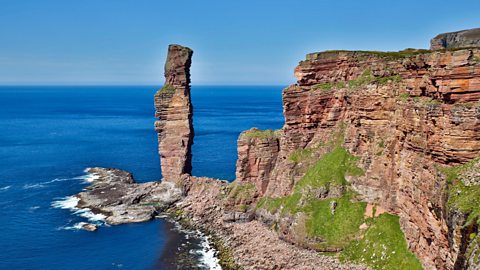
x=404 y=114
x=173 y=108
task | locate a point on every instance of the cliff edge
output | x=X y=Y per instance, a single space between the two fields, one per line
x=456 y=40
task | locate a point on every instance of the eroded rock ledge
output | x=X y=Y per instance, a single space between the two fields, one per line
x=115 y=194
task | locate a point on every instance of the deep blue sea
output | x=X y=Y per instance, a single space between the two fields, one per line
x=50 y=135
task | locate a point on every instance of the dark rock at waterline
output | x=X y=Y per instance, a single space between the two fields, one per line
x=89 y=227
x=115 y=194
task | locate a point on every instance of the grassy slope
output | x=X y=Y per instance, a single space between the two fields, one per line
x=341 y=229
x=383 y=246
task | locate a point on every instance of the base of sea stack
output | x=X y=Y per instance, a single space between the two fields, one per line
x=203 y=204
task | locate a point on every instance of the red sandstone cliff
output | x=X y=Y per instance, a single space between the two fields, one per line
x=403 y=114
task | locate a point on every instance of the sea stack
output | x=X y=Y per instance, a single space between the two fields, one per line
x=173 y=108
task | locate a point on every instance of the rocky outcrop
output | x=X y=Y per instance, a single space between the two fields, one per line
x=173 y=108
x=115 y=194
x=257 y=153
x=460 y=39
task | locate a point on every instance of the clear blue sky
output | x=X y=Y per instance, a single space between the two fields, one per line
x=235 y=42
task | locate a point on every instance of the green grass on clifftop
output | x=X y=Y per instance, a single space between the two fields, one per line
x=364 y=79
x=262 y=134
x=383 y=246
x=389 y=55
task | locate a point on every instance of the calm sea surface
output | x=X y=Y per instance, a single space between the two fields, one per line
x=49 y=135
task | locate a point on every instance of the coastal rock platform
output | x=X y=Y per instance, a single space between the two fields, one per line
x=115 y=194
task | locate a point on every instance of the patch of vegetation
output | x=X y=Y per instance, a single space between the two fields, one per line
x=335 y=229
x=467 y=200
x=167 y=89
x=385 y=80
x=404 y=97
x=455 y=172
x=299 y=155
x=381 y=144
x=364 y=79
x=225 y=255
x=329 y=86
x=462 y=197
x=383 y=246
x=473 y=248
x=240 y=193
x=330 y=169
x=262 y=134
x=389 y=55
x=432 y=101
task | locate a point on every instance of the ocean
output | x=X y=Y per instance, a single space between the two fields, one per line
x=51 y=134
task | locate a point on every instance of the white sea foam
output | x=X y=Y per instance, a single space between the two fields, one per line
x=89 y=177
x=92 y=217
x=69 y=202
x=33 y=208
x=46 y=183
x=74 y=227
x=5 y=188
x=208 y=254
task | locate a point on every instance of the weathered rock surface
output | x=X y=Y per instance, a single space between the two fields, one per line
x=173 y=108
x=256 y=156
x=115 y=194
x=460 y=39
x=425 y=112
x=89 y=227
x=254 y=245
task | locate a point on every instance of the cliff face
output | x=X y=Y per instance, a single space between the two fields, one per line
x=173 y=108
x=460 y=39
x=402 y=114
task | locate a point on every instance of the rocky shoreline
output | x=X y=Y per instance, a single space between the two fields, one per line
x=115 y=194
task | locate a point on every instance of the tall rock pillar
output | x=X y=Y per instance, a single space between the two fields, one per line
x=173 y=108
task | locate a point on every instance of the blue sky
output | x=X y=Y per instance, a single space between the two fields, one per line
x=235 y=42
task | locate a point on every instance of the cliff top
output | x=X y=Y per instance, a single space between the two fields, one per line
x=464 y=39
x=333 y=54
